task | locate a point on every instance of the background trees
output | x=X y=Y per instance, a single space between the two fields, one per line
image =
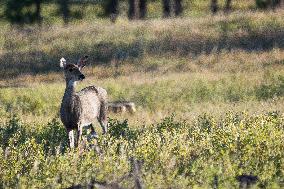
x=171 y=7
x=214 y=6
x=111 y=9
x=64 y=10
x=22 y=11
x=137 y=9
x=30 y=11
x=228 y=5
x=264 y=4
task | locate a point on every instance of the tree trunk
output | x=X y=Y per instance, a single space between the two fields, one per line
x=214 y=6
x=275 y=4
x=38 y=11
x=133 y=9
x=64 y=9
x=178 y=7
x=142 y=9
x=166 y=8
x=136 y=9
x=228 y=6
x=111 y=9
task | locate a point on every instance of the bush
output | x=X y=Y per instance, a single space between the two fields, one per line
x=12 y=132
x=273 y=88
x=172 y=153
x=54 y=137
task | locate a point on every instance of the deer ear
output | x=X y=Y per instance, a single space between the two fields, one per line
x=82 y=62
x=62 y=62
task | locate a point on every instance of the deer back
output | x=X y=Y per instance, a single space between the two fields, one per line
x=91 y=98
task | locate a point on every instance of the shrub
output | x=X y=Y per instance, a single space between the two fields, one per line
x=172 y=153
x=53 y=136
x=12 y=130
x=273 y=88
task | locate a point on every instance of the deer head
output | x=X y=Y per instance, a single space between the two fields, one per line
x=73 y=71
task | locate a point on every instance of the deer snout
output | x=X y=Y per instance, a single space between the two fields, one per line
x=81 y=77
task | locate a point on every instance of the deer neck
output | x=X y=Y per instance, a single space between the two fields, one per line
x=69 y=91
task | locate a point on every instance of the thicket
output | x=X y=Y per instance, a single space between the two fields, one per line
x=172 y=154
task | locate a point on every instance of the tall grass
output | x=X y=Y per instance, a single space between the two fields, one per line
x=164 y=66
x=36 y=51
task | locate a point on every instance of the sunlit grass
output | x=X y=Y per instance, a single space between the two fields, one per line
x=203 y=70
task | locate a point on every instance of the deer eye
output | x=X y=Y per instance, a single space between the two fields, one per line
x=70 y=70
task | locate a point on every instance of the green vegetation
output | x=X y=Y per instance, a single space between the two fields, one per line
x=209 y=92
x=174 y=154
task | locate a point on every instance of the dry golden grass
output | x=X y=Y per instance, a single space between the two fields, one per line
x=185 y=66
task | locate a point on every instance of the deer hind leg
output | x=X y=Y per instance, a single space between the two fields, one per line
x=93 y=138
x=103 y=117
x=93 y=133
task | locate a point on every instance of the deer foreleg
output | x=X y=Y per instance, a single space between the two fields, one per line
x=81 y=142
x=71 y=135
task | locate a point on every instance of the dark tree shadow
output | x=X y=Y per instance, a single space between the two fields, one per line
x=15 y=62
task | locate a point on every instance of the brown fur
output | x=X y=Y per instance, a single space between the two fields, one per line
x=79 y=109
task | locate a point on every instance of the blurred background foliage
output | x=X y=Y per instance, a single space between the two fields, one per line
x=38 y=11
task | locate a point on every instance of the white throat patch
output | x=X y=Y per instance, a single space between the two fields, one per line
x=72 y=83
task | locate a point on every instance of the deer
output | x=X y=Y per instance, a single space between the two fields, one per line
x=81 y=109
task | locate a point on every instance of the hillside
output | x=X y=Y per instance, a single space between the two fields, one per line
x=209 y=92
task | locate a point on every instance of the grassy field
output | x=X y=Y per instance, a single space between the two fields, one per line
x=209 y=92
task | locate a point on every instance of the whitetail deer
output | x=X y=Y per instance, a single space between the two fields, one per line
x=80 y=109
